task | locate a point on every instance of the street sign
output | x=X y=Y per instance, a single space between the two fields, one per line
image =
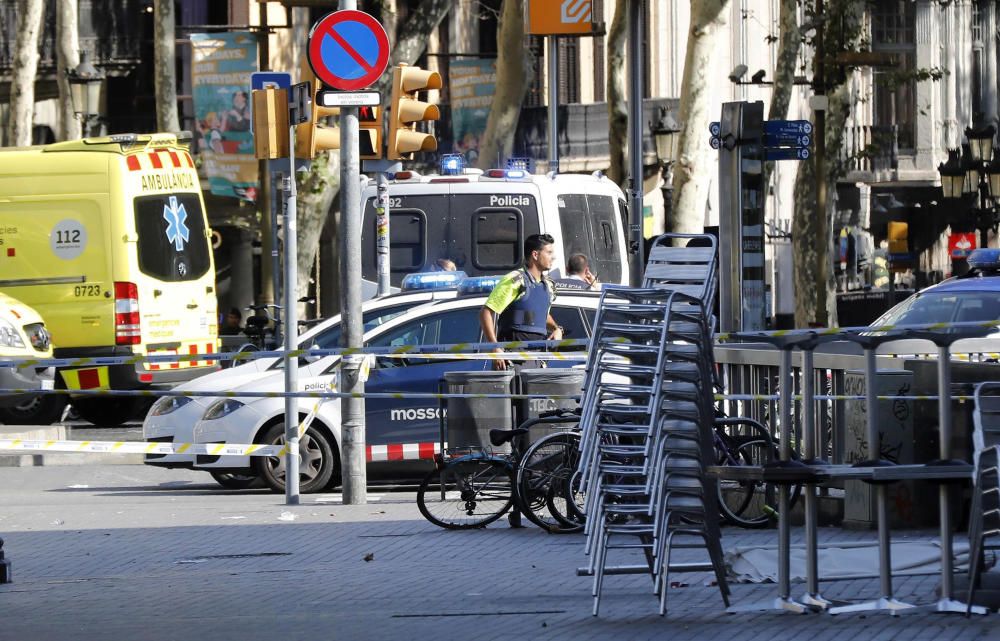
x=349 y=98
x=348 y=50
x=561 y=18
x=785 y=140
x=714 y=142
x=786 y=153
x=715 y=128
x=787 y=127
x=265 y=79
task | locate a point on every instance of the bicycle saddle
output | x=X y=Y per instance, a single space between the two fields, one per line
x=499 y=437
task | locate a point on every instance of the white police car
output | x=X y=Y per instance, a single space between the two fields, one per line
x=401 y=433
x=172 y=418
x=972 y=297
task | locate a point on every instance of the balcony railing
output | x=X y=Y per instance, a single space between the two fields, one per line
x=870 y=148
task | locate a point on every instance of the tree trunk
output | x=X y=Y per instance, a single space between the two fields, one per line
x=317 y=189
x=21 y=113
x=68 y=56
x=691 y=169
x=165 y=66
x=790 y=40
x=412 y=36
x=617 y=96
x=514 y=66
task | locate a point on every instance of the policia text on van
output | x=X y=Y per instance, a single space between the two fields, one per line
x=107 y=238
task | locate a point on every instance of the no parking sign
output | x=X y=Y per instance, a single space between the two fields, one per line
x=348 y=50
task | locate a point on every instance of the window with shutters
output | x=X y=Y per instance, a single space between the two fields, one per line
x=569 y=70
x=893 y=29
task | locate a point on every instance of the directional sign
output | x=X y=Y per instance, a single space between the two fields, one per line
x=715 y=128
x=787 y=127
x=786 y=153
x=714 y=142
x=784 y=140
x=265 y=79
x=348 y=50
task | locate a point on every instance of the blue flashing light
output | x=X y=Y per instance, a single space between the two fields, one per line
x=452 y=164
x=431 y=280
x=524 y=164
x=986 y=258
x=478 y=285
x=516 y=173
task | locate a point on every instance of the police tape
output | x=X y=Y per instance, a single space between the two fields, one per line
x=839 y=397
x=140 y=447
x=457 y=351
x=466 y=351
x=229 y=394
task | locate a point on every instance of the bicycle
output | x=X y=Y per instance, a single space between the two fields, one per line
x=477 y=487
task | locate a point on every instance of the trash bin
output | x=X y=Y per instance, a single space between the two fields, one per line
x=470 y=420
x=554 y=381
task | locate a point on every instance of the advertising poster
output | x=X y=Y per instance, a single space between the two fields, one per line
x=472 y=84
x=220 y=76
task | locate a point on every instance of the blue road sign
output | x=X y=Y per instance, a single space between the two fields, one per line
x=715 y=128
x=348 y=50
x=784 y=140
x=787 y=127
x=786 y=153
x=714 y=142
x=265 y=79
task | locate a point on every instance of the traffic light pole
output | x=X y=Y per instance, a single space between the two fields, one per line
x=637 y=264
x=382 y=231
x=291 y=330
x=352 y=408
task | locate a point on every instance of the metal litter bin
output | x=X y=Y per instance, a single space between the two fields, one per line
x=553 y=381
x=470 y=420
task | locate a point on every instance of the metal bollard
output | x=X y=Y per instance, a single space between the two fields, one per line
x=6 y=575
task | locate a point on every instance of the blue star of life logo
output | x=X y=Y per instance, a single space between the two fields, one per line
x=175 y=215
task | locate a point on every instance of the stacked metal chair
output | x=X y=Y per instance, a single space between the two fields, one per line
x=984 y=522
x=647 y=420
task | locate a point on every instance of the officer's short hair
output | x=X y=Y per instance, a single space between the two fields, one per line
x=577 y=264
x=536 y=242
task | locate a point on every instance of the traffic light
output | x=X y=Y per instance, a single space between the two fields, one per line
x=270 y=123
x=404 y=139
x=311 y=136
x=898 y=241
x=370 y=133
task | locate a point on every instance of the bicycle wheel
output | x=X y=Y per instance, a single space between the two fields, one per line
x=751 y=504
x=467 y=493
x=546 y=476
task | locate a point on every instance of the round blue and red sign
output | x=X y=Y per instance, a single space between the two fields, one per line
x=348 y=50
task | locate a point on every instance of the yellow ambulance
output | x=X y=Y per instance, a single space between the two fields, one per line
x=108 y=239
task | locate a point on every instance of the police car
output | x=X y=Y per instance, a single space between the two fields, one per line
x=171 y=419
x=974 y=296
x=401 y=433
x=22 y=335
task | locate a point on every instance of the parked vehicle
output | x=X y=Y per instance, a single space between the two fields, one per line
x=22 y=335
x=479 y=220
x=401 y=432
x=108 y=239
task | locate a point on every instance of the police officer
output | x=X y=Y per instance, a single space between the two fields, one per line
x=522 y=300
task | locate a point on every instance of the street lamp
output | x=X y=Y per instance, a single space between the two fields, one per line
x=975 y=170
x=85 y=90
x=666 y=135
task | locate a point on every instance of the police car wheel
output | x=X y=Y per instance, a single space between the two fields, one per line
x=41 y=410
x=232 y=481
x=317 y=463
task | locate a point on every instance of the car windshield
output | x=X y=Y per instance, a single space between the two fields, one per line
x=944 y=307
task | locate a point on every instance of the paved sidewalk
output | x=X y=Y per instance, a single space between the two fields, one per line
x=141 y=553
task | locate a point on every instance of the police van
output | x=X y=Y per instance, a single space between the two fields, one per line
x=479 y=220
x=108 y=239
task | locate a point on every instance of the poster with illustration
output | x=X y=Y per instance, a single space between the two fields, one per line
x=472 y=84
x=220 y=76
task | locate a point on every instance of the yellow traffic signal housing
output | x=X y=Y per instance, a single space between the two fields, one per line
x=270 y=123
x=404 y=139
x=898 y=238
x=310 y=136
x=370 y=133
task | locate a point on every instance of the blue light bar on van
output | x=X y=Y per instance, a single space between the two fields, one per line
x=452 y=164
x=431 y=280
x=478 y=285
x=985 y=259
x=524 y=164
